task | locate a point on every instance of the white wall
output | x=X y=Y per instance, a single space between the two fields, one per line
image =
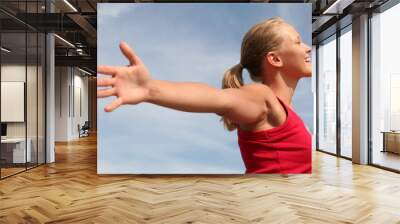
x=71 y=93
x=14 y=73
x=12 y=101
x=61 y=103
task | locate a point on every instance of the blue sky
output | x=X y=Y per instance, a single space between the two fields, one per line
x=182 y=42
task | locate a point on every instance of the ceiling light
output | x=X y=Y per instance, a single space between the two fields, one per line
x=70 y=5
x=337 y=7
x=86 y=72
x=5 y=50
x=65 y=41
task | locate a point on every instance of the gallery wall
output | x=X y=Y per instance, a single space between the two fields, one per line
x=71 y=102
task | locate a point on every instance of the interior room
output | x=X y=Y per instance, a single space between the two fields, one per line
x=49 y=127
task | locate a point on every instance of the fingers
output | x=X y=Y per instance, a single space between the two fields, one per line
x=106 y=70
x=113 y=105
x=105 y=82
x=129 y=54
x=105 y=92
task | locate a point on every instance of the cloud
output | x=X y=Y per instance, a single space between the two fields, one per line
x=189 y=42
x=115 y=10
x=172 y=166
x=143 y=134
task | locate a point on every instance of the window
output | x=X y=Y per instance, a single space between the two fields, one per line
x=327 y=95
x=385 y=89
x=346 y=75
x=22 y=76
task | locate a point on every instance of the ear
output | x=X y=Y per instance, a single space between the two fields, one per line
x=274 y=59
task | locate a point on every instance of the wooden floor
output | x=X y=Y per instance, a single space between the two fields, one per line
x=5 y=172
x=388 y=159
x=10 y=171
x=70 y=191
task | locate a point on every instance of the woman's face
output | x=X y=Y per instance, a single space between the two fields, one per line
x=294 y=54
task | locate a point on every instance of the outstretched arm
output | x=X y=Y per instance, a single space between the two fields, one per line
x=187 y=96
x=132 y=85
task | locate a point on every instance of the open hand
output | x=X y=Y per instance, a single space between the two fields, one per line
x=128 y=83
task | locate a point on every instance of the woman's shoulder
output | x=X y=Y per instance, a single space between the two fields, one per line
x=258 y=89
x=275 y=113
x=261 y=89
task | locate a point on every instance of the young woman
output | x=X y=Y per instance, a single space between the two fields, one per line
x=271 y=136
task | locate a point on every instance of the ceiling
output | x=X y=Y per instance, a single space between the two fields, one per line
x=76 y=22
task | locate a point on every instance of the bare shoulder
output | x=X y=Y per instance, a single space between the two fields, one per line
x=264 y=95
x=247 y=104
x=258 y=90
x=263 y=92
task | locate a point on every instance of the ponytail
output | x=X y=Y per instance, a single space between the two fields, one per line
x=233 y=78
x=262 y=38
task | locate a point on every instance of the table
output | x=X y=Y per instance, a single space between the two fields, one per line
x=391 y=141
x=18 y=149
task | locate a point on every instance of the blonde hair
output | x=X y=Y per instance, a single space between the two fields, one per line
x=257 y=42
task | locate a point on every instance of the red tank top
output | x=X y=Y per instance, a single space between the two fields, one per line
x=283 y=149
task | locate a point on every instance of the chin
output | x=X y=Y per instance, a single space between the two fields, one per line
x=308 y=74
x=307 y=71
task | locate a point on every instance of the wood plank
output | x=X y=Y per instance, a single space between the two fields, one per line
x=70 y=191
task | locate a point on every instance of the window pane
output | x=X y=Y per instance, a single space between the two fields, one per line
x=41 y=98
x=386 y=89
x=14 y=153
x=31 y=97
x=346 y=93
x=327 y=95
